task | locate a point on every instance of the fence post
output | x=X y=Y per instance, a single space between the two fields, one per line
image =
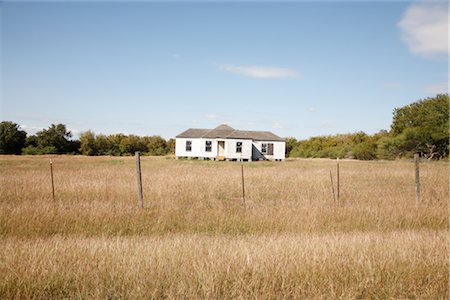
x=139 y=179
x=417 y=171
x=332 y=186
x=337 y=179
x=243 y=186
x=53 y=184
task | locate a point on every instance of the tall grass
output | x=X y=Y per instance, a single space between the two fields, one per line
x=194 y=238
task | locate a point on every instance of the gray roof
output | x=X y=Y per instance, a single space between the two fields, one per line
x=221 y=131
x=225 y=131
x=193 y=133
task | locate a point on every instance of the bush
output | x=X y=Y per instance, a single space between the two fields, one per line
x=365 y=151
x=33 y=150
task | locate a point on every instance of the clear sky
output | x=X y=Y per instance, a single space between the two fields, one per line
x=297 y=69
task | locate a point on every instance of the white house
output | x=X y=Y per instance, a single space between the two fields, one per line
x=224 y=142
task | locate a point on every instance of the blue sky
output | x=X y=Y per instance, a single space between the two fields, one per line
x=298 y=69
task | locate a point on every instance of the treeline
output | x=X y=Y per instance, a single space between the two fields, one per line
x=121 y=144
x=54 y=140
x=421 y=127
x=356 y=145
x=58 y=140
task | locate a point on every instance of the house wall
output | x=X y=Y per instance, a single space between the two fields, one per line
x=230 y=149
x=250 y=149
x=278 y=150
x=198 y=148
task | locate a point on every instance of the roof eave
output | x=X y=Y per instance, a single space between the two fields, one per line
x=270 y=140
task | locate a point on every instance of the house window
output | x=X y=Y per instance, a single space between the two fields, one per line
x=238 y=147
x=267 y=149
x=188 y=146
x=208 y=146
x=264 y=148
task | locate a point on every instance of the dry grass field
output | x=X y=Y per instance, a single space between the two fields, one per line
x=195 y=239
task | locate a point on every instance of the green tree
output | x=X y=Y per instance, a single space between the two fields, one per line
x=88 y=143
x=12 y=139
x=357 y=138
x=157 y=146
x=114 y=141
x=171 y=145
x=387 y=148
x=366 y=150
x=32 y=140
x=423 y=127
x=131 y=144
x=291 y=143
x=56 y=136
x=102 y=144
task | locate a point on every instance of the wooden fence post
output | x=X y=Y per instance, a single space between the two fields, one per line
x=417 y=171
x=337 y=179
x=243 y=186
x=53 y=184
x=332 y=186
x=139 y=180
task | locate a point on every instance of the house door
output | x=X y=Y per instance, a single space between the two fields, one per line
x=221 y=148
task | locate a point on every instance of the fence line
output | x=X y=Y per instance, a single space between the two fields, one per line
x=335 y=191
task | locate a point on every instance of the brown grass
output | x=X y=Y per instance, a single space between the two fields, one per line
x=195 y=239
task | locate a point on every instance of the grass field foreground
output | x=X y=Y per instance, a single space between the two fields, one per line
x=195 y=239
